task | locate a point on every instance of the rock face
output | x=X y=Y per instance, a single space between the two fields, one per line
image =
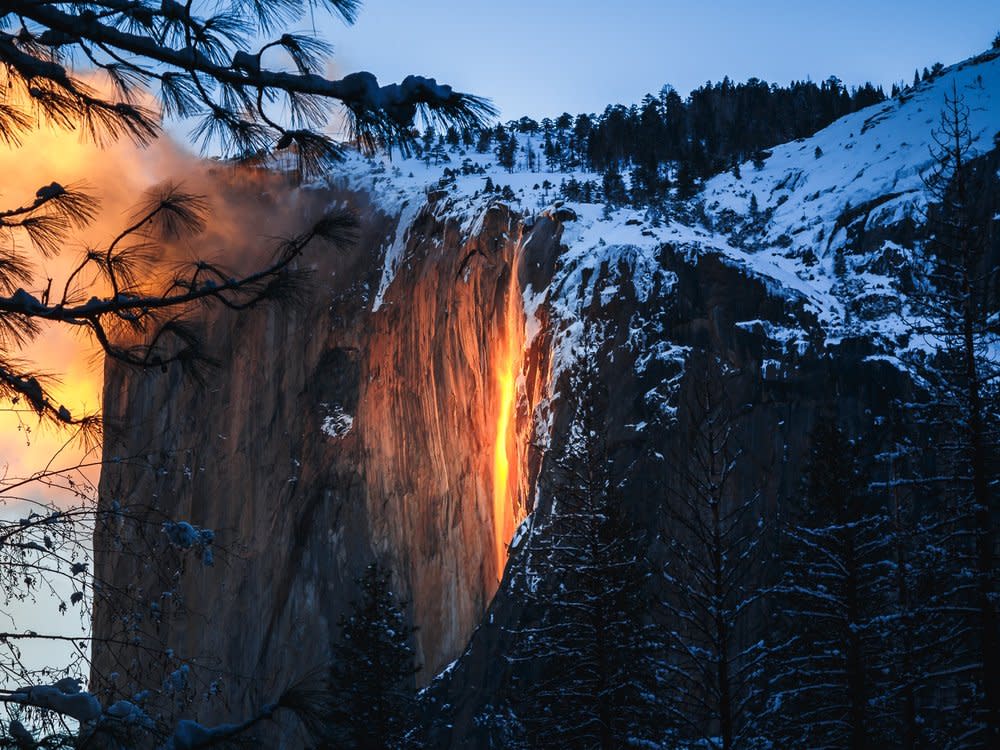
x=407 y=411
x=331 y=434
x=335 y=433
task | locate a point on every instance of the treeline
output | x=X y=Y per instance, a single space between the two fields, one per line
x=666 y=141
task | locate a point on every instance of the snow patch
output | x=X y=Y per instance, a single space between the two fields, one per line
x=394 y=253
x=185 y=536
x=64 y=697
x=337 y=422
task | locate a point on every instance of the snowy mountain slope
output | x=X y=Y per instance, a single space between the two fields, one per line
x=866 y=167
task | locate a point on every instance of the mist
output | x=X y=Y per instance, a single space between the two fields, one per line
x=249 y=210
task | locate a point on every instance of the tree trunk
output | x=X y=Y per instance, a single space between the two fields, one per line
x=721 y=631
x=857 y=688
x=977 y=462
x=908 y=716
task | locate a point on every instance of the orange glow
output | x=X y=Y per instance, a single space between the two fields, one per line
x=505 y=448
x=117 y=176
x=503 y=514
x=243 y=218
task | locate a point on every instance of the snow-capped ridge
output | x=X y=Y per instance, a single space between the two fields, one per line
x=785 y=222
x=868 y=169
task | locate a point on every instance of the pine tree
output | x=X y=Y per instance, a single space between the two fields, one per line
x=551 y=150
x=506 y=149
x=834 y=604
x=613 y=186
x=484 y=141
x=686 y=183
x=438 y=154
x=373 y=670
x=920 y=694
x=584 y=657
x=713 y=588
x=571 y=190
x=955 y=316
x=546 y=187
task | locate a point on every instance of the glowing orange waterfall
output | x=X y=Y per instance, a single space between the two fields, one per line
x=505 y=446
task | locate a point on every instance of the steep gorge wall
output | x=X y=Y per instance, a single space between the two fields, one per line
x=330 y=435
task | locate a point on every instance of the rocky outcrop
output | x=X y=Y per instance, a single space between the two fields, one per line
x=331 y=434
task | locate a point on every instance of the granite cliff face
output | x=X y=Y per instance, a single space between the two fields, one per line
x=332 y=434
x=337 y=433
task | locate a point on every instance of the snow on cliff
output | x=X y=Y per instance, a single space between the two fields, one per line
x=868 y=167
x=865 y=167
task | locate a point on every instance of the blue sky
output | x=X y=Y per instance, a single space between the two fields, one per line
x=549 y=56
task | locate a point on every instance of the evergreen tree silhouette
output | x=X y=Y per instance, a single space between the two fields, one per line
x=373 y=670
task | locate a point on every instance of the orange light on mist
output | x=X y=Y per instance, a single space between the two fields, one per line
x=115 y=175
x=246 y=211
x=509 y=365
